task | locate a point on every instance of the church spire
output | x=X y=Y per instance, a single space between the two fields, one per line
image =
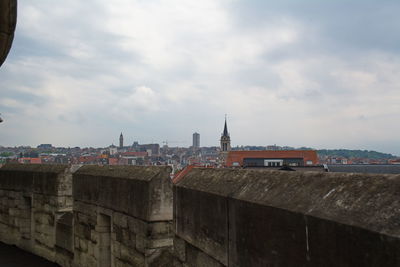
x=225 y=133
x=225 y=139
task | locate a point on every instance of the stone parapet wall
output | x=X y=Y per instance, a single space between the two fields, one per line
x=274 y=218
x=123 y=216
x=30 y=197
x=88 y=216
x=141 y=192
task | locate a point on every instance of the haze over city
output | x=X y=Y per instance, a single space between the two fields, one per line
x=296 y=73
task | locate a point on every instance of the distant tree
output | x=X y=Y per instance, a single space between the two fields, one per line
x=6 y=154
x=347 y=153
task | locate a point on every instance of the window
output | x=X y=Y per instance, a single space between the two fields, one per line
x=273 y=162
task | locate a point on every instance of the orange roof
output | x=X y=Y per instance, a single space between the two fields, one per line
x=178 y=176
x=113 y=161
x=83 y=159
x=239 y=156
x=36 y=160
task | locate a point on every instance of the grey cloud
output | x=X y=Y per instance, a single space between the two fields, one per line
x=85 y=72
x=350 y=25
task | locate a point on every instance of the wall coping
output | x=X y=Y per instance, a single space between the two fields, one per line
x=368 y=201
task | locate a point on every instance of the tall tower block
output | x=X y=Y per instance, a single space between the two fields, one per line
x=196 y=141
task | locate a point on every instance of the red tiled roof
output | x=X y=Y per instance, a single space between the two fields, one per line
x=36 y=160
x=83 y=159
x=113 y=161
x=30 y=160
x=178 y=176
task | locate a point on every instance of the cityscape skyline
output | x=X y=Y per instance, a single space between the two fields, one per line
x=196 y=144
x=180 y=144
x=287 y=73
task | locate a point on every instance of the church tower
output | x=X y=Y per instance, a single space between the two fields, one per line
x=121 y=141
x=225 y=140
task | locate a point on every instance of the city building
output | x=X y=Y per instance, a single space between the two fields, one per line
x=121 y=141
x=225 y=146
x=45 y=146
x=196 y=141
x=269 y=158
x=151 y=149
x=225 y=140
x=113 y=150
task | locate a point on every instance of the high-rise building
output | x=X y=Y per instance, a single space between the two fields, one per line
x=196 y=140
x=121 y=141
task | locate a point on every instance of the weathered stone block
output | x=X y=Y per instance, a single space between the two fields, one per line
x=118 y=233
x=126 y=237
x=15 y=212
x=137 y=259
x=76 y=242
x=116 y=248
x=140 y=243
x=91 y=262
x=83 y=245
x=125 y=254
x=160 y=230
x=94 y=236
x=45 y=229
x=82 y=218
x=180 y=249
x=120 y=220
x=144 y=193
x=198 y=258
x=160 y=258
x=82 y=230
x=137 y=226
x=177 y=263
x=91 y=249
x=159 y=243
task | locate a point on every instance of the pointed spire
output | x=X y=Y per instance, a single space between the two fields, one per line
x=225 y=129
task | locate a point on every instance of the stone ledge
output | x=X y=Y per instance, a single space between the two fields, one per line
x=140 y=192
x=369 y=201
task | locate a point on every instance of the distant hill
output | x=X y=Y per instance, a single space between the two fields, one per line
x=347 y=153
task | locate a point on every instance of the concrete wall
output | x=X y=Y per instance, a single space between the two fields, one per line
x=123 y=216
x=31 y=196
x=272 y=218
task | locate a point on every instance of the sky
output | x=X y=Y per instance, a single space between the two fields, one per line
x=321 y=74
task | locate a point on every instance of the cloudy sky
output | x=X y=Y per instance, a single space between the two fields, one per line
x=323 y=74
